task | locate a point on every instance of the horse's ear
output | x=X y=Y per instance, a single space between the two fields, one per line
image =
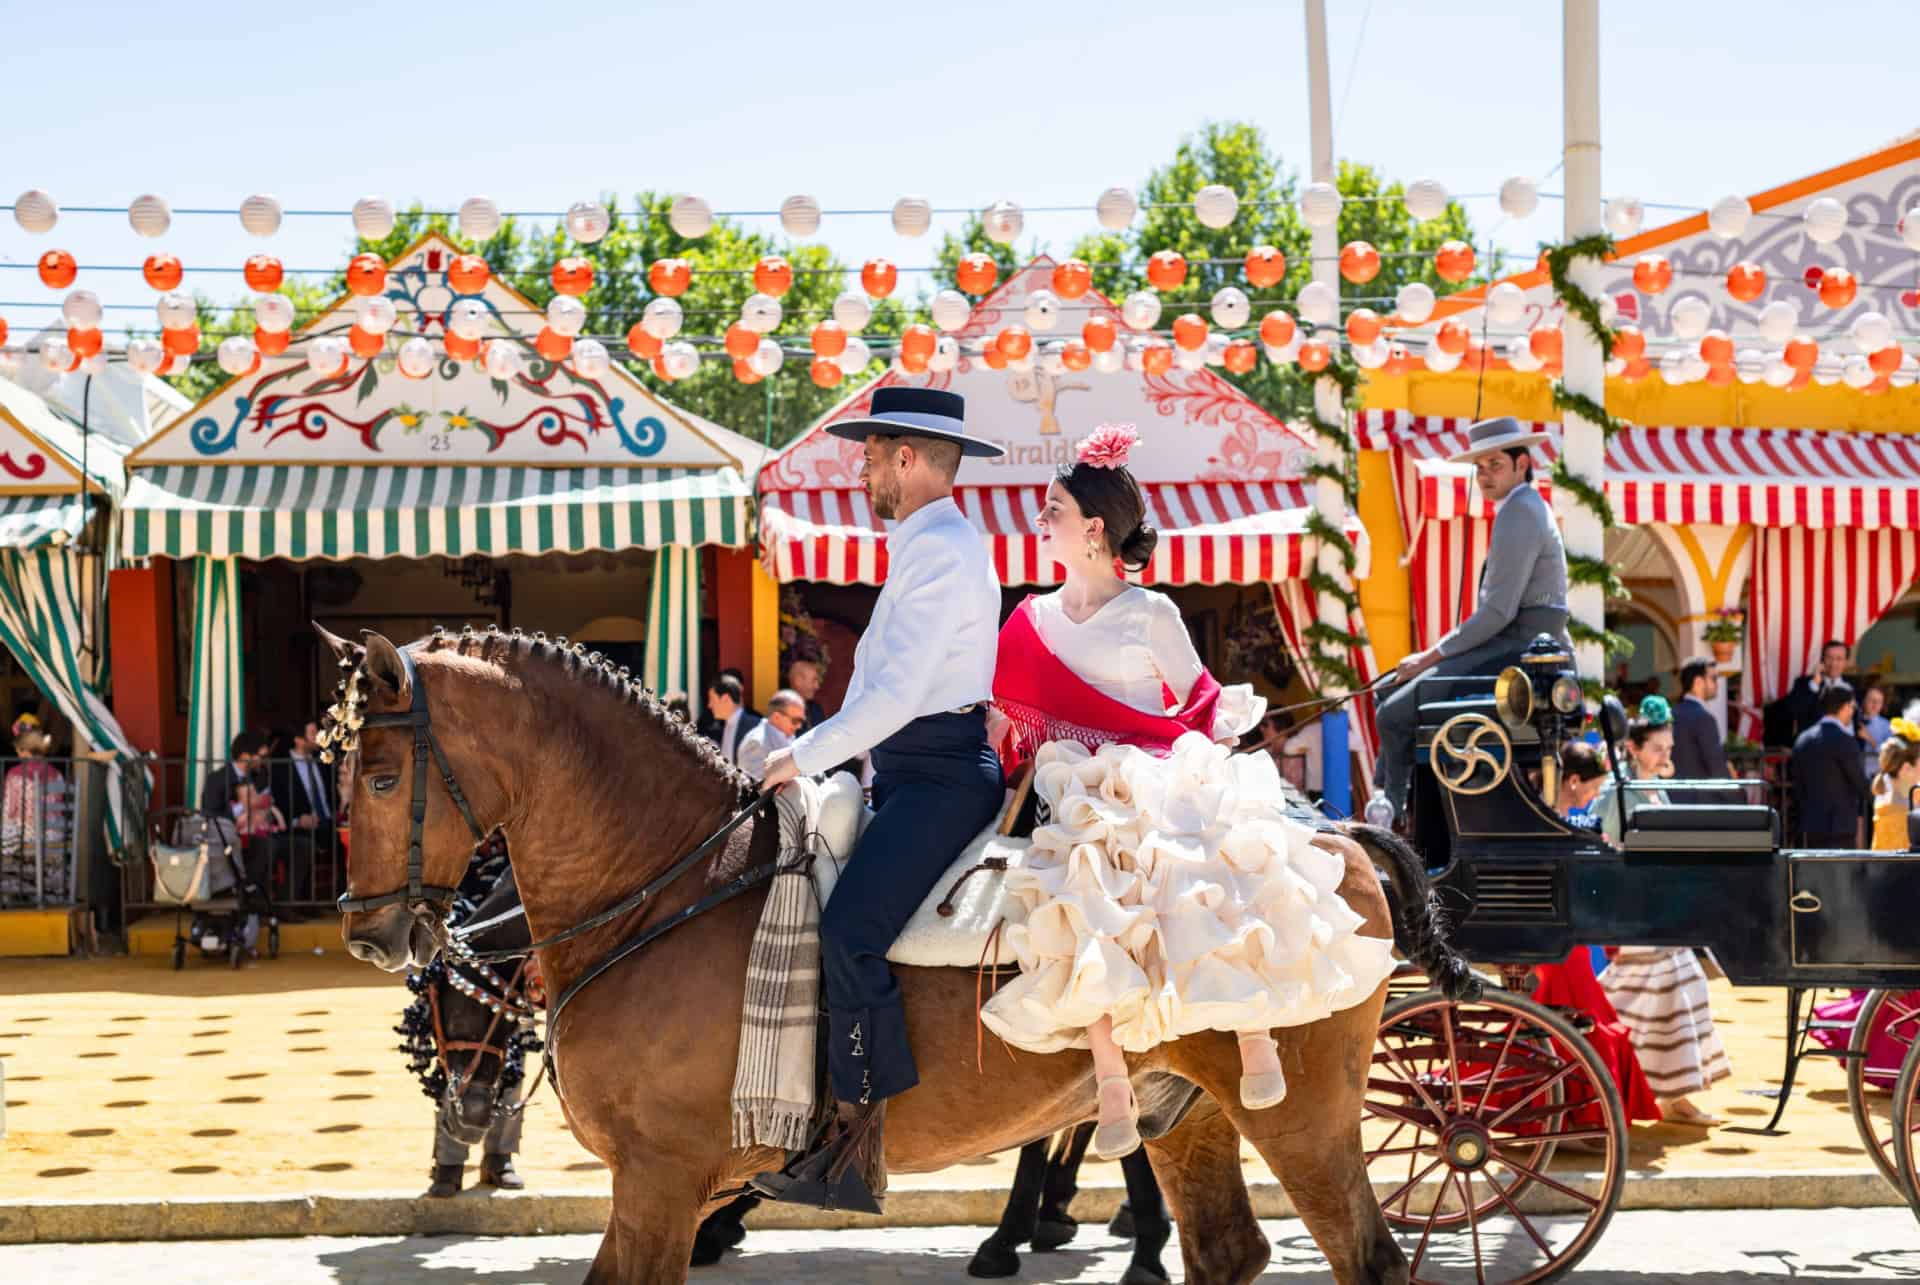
x=341 y=648
x=385 y=668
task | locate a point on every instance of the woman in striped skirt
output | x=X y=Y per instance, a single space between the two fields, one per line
x=1660 y=992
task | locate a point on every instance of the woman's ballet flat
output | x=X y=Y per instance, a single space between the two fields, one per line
x=1117 y=1138
x=1258 y=1092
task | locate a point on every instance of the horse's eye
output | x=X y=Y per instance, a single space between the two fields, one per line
x=383 y=784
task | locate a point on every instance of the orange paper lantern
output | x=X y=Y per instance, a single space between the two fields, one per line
x=263 y=273
x=641 y=344
x=975 y=273
x=1884 y=362
x=1314 y=355
x=57 y=269
x=1652 y=274
x=1015 y=341
x=1072 y=279
x=1363 y=327
x=162 y=271
x=660 y=370
x=1716 y=349
x=918 y=341
x=1099 y=333
x=825 y=373
x=367 y=274
x=1547 y=343
x=1190 y=331
x=1167 y=270
x=1360 y=262
x=1157 y=359
x=744 y=372
x=913 y=365
x=1453 y=261
x=365 y=343
x=573 y=275
x=829 y=339
x=553 y=345
x=1277 y=329
x=1801 y=353
x=741 y=342
x=468 y=274
x=1838 y=287
x=1241 y=357
x=274 y=342
x=878 y=277
x=1453 y=337
x=85 y=343
x=1266 y=266
x=1075 y=356
x=183 y=342
x=1638 y=368
x=774 y=275
x=457 y=348
x=995 y=359
x=1629 y=343
x=669 y=277
x=1719 y=374
x=1746 y=281
x=1801 y=378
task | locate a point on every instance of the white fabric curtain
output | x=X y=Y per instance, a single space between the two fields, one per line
x=673 y=624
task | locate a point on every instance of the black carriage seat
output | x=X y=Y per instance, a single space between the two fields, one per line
x=1702 y=827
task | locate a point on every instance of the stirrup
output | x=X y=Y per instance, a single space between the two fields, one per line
x=826 y=1175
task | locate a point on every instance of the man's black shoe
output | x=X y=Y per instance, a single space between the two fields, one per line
x=446 y=1181
x=497 y=1171
x=833 y=1175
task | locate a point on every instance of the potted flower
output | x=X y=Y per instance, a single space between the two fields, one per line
x=1724 y=633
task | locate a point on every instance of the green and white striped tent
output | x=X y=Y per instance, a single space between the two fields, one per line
x=287 y=462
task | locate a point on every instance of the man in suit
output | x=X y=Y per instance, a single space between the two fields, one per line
x=1800 y=708
x=727 y=705
x=306 y=784
x=1829 y=780
x=1699 y=751
x=786 y=715
x=806 y=677
x=1523 y=593
x=708 y=726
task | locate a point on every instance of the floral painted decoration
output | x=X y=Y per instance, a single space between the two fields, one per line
x=1107 y=446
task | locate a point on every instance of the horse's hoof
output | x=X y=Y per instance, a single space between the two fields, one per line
x=706 y=1252
x=1051 y=1233
x=1138 y=1274
x=992 y=1261
x=1121 y=1225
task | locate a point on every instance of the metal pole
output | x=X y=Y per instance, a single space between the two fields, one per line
x=1328 y=498
x=1583 y=446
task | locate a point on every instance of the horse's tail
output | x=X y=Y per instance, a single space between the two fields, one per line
x=1420 y=929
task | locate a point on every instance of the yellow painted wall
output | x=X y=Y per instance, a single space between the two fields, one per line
x=1386 y=595
x=25 y=933
x=766 y=637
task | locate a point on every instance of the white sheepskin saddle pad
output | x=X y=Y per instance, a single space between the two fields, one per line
x=931 y=940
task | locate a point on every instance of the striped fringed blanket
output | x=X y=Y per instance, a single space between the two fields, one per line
x=773 y=1084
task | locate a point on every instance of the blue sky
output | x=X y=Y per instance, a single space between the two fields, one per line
x=859 y=103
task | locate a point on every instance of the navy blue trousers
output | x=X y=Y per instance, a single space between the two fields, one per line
x=936 y=785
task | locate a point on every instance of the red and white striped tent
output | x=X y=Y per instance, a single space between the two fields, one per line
x=1224 y=479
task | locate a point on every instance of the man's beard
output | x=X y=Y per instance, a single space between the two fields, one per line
x=886 y=501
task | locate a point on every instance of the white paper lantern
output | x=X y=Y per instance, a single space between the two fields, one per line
x=1519 y=354
x=855 y=357
x=1609 y=310
x=1696 y=367
x=1319 y=303
x=912 y=216
x=378 y=315
x=853 y=310
x=55 y=356
x=1231 y=308
x=236 y=354
x=467 y=318
x=1287 y=353
x=1141 y=310
x=273 y=313
x=260 y=214
x=1414 y=302
x=35 y=211
x=1871 y=331
x=10 y=363
x=1856 y=373
x=761 y=312
x=769 y=356
x=1729 y=217
x=373 y=218
x=1777 y=373
x=1320 y=205
x=1043 y=310
x=1426 y=198
x=587 y=223
x=503 y=359
x=690 y=217
x=1826 y=373
x=1115 y=209
x=681 y=359
x=175 y=310
x=81 y=308
x=590 y=360
x=1750 y=365
x=1440 y=361
x=1021 y=365
x=1216 y=206
x=1190 y=358
x=1372 y=356
x=566 y=315
x=1690 y=316
x=1615 y=366
x=144 y=355
x=950 y=310
x=1777 y=321
x=1910 y=228
x=1002 y=222
x=327 y=355
x=1825 y=220
x=946 y=354
x=1673 y=367
x=478 y=218
x=1902 y=378
x=1623 y=216
x=1506 y=304
x=663 y=317
x=1519 y=197
x=1136 y=359
x=1215 y=349
x=800 y=216
x=150 y=215
x=1110 y=361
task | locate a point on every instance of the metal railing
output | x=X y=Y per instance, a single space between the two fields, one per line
x=299 y=855
x=39 y=798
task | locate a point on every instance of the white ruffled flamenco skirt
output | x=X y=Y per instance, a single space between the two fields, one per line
x=1174 y=895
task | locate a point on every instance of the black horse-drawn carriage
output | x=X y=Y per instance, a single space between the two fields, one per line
x=1469 y=1101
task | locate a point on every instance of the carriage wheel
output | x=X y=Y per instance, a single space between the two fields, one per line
x=1872 y=1109
x=1906 y=1128
x=1466 y=1105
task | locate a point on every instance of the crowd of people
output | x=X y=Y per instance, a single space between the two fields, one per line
x=279 y=807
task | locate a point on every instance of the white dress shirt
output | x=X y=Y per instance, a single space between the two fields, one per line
x=729 y=733
x=930 y=645
x=756 y=745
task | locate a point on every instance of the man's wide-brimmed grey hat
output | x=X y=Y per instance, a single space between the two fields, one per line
x=917 y=412
x=1490 y=435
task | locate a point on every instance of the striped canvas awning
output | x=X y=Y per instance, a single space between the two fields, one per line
x=1210 y=533
x=33 y=521
x=315 y=511
x=1769 y=477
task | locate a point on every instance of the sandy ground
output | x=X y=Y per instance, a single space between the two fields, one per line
x=124 y=1078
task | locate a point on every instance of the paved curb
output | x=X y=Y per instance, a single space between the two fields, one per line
x=533 y=1213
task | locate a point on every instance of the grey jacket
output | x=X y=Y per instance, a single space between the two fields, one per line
x=1526 y=567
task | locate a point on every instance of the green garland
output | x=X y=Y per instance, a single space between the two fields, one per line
x=1616 y=646
x=1320 y=582
x=1332 y=646
x=1319 y=527
x=1581 y=304
x=1348 y=483
x=1566 y=401
x=1330 y=659
x=1584 y=491
x=1597 y=571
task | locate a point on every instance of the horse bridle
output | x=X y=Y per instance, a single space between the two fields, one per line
x=418 y=896
x=508 y=1003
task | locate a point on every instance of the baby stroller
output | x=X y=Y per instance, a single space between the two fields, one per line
x=201 y=875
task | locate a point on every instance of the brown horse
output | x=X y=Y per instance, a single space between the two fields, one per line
x=598 y=789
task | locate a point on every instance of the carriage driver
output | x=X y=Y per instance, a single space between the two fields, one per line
x=922 y=678
x=1523 y=593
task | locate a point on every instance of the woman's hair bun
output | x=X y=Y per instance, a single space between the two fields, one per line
x=1136 y=551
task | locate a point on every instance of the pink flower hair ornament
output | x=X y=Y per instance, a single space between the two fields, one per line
x=1107 y=446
